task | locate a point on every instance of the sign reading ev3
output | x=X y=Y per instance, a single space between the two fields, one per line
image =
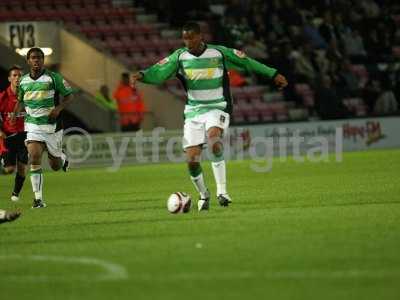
x=22 y=35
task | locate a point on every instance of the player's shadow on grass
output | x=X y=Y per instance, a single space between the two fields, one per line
x=126 y=209
x=97 y=238
x=142 y=200
x=249 y=206
x=167 y=219
x=93 y=239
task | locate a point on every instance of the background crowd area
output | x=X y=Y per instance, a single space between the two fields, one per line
x=341 y=58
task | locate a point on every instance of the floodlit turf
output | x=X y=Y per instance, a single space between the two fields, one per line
x=303 y=231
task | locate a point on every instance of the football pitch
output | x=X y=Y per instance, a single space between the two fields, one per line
x=302 y=231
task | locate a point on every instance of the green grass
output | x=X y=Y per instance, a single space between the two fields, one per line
x=303 y=231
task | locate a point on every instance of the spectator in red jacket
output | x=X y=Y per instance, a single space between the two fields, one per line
x=130 y=105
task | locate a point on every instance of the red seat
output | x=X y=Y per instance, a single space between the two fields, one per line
x=238 y=115
x=69 y=17
x=306 y=93
x=396 y=51
x=175 y=43
x=126 y=39
x=258 y=104
x=107 y=30
x=42 y=3
x=87 y=3
x=282 y=117
x=396 y=19
x=249 y=110
x=84 y=15
x=126 y=12
x=361 y=72
x=361 y=110
x=160 y=44
x=52 y=14
x=146 y=44
x=254 y=91
x=280 y=111
x=267 y=115
x=238 y=93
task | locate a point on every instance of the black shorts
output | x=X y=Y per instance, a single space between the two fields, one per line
x=17 y=151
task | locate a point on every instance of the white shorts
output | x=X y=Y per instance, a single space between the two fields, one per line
x=195 y=129
x=53 y=141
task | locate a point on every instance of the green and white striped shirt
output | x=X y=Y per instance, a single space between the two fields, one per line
x=205 y=77
x=39 y=98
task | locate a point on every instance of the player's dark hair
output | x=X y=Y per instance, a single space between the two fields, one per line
x=192 y=26
x=34 y=49
x=13 y=68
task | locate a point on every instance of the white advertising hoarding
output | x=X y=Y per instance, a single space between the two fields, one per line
x=159 y=145
x=355 y=134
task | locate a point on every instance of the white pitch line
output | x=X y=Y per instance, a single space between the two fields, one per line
x=273 y=275
x=332 y=274
x=111 y=270
x=114 y=271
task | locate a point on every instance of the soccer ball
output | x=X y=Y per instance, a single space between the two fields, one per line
x=179 y=203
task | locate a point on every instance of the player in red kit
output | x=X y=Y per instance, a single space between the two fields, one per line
x=12 y=134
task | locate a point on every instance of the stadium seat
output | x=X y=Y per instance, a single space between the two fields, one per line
x=254 y=91
x=84 y=15
x=238 y=115
x=145 y=44
x=266 y=114
x=361 y=110
x=396 y=19
x=238 y=93
x=304 y=91
x=125 y=38
x=107 y=31
x=361 y=72
x=115 y=45
x=86 y=3
x=251 y=113
x=175 y=43
x=273 y=96
x=281 y=117
x=298 y=114
x=355 y=105
x=160 y=44
x=125 y=59
x=396 y=51
x=264 y=110
x=42 y=3
x=308 y=100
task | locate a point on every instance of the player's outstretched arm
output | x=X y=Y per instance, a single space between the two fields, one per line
x=240 y=61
